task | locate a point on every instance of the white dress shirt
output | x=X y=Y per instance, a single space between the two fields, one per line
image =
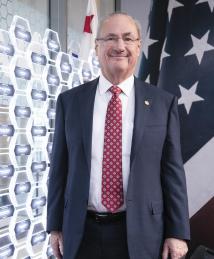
x=102 y=98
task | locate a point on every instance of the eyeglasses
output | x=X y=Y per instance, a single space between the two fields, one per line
x=110 y=40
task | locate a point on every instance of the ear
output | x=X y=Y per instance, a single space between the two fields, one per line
x=139 y=47
x=140 y=44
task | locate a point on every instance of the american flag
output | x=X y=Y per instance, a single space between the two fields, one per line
x=178 y=55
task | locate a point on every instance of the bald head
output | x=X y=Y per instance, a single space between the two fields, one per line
x=105 y=19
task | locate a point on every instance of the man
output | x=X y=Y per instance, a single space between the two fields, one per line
x=117 y=185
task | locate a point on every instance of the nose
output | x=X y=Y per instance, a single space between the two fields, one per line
x=120 y=44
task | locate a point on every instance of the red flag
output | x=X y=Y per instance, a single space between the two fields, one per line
x=89 y=30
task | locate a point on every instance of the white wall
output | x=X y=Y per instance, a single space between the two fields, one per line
x=140 y=11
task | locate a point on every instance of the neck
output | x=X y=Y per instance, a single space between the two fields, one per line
x=116 y=79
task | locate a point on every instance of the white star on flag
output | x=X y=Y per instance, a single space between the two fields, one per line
x=200 y=45
x=173 y=4
x=147 y=43
x=188 y=96
x=210 y=3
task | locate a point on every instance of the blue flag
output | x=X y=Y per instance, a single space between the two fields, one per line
x=178 y=56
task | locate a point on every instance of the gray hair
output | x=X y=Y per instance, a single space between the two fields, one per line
x=102 y=21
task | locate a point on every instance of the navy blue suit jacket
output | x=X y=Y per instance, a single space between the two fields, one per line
x=156 y=196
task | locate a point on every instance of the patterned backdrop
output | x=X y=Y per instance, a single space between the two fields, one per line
x=33 y=72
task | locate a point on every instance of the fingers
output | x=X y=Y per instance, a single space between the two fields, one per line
x=165 y=253
x=175 y=255
x=57 y=244
x=176 y=248
x=178 y=252
x=61 y=245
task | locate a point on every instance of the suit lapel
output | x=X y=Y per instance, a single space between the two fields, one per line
x=86 y=112
x=143 y=102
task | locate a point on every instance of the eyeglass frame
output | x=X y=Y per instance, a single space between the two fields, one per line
x=112 y=39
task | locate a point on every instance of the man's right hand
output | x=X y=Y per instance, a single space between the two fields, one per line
x=57 y=244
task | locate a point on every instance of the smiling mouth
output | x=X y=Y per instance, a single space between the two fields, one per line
x=119 y=57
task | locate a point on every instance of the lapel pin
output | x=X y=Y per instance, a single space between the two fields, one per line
x=146 y=102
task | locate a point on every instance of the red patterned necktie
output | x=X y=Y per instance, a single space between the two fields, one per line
x=112 y=181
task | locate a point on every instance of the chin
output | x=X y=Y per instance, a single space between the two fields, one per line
x=119 y=65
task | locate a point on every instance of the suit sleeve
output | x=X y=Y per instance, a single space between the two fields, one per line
x=173 y=180
x=58 y=172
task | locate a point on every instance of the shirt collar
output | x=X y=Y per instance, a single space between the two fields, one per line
x=125 y=86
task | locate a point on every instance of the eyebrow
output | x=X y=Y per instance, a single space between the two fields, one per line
x=124 y=34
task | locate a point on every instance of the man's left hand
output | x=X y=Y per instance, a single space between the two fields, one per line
x=175 y=248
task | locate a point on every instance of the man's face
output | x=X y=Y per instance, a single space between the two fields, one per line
x=118 y=47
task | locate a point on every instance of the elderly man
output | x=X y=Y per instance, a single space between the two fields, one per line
x=117 y=184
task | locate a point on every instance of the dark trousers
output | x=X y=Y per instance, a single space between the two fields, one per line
x=104 y=240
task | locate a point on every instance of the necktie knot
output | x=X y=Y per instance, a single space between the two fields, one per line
x=115 y=90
